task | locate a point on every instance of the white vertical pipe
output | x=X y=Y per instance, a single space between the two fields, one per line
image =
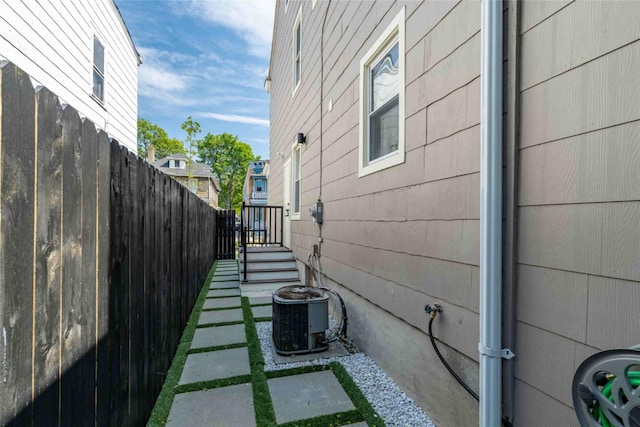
x=491 y=214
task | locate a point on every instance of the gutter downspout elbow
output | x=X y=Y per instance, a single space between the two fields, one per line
x=490 y=345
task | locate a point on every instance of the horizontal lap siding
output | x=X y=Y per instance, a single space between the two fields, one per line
x=407 y=235
x=53 y=42
x=579 y=203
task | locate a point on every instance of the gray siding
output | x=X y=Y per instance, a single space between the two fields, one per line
x=408 y=235
x=579 y=215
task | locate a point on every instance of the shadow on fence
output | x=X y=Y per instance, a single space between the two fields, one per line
x=102 y=258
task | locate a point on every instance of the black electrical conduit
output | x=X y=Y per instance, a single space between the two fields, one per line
x=432 y=311
x=317 y=274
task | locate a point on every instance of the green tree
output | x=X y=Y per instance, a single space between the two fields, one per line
x=151 y=134
x=228 y=158
x=193 y=129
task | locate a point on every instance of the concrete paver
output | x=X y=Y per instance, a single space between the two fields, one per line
x=214 y=365
x=299 y=397
x=261 y=311
x=260 y=300
x=220 y=316
x=361 y=424
x=225 y=278
x=221 y=303
x=224 y=293
x=218 y=335
x=225 y=285
x=220 y=407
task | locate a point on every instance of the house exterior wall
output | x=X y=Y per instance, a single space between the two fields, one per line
x=579 y=191
x=53 y=42
x=406 y=236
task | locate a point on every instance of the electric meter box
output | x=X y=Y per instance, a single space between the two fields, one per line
x=316 y=212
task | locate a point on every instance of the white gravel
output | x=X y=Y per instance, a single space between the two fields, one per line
x=387 y=399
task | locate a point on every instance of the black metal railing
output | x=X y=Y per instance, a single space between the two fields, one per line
x=260 y=226
x=226 y=234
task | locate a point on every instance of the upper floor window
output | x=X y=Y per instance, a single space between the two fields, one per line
x=382 y=101
x=98 y=69
x=193 y=185
x=297 y=51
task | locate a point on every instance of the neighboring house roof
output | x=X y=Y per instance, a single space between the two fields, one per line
x=133 y=46
x=197 y=170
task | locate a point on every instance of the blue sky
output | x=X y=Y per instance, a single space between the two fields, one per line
x=207 y=59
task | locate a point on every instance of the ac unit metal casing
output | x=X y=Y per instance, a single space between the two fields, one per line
x=300 y=319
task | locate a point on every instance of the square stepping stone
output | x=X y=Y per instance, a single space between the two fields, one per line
x=299 y=397
x=235 y=292
x=219 y=335
x=260 y=300
x=360 y=424
x=221 y=303
x=262 y=311
x=225 y=278
x=224 y=285
x=214 y=365
x=220 y=316
x=219 y=407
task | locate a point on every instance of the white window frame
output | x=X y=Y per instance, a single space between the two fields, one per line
x=313 y=4
x=296 y=163
x=395 y=30
x=296 y=56
x=95 y=69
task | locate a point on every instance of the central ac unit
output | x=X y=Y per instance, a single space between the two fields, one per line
x=300 y=319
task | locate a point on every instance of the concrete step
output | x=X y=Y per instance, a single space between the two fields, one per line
x=289 y=273
x=267 y=255
x=265 y=287
x=275 y=264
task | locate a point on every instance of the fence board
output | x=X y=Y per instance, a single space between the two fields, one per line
x=16 y=244
x=71 y=295
x=101 y=260
x=48 y=258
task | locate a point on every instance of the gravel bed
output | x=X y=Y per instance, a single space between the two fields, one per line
x=388 y=400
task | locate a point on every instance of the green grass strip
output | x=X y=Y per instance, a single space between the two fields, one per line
x=265 y=417
x=297 y=371
x=165 y=399
x=222 y=296
x=261 y=305
x=331 y=420
x=208 y=325
x=356 y=396
x=207 y=385
x=216 y=348
x=222 y=308
x=262 y=319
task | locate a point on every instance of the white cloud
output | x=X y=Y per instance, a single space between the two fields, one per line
x=250 y=19
x=259 y=140
x=236 y=119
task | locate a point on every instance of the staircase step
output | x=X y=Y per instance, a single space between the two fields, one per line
x=289 y=273
x=277 y=264
x=265 y=287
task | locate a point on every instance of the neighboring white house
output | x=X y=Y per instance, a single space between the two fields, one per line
x=81 y=51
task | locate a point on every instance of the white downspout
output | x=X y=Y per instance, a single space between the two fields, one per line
x=489 y=347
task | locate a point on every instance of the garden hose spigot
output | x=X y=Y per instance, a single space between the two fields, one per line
x=433 y=310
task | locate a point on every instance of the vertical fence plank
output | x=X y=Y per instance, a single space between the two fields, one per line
x=87 y=309
x=16 y=245
x=71 y=296
x=48 y=259
x=103 y=393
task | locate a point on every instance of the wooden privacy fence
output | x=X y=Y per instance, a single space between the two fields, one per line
x=101 y=260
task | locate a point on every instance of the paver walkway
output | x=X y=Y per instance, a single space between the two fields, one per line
x=221 y=379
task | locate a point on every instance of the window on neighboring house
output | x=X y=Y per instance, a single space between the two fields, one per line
x=259 y=185
x=297 y=51
x=193 y=185
x=297 y=177
x=382 y=101
x=98 y=69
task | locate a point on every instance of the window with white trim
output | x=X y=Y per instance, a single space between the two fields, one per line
x=296 y=176
x=98 y=69
x=193 y=185
x=297 y=51
x=382 y=92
